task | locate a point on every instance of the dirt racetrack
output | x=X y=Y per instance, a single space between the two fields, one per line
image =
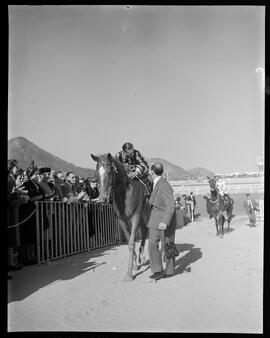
x=218 y=287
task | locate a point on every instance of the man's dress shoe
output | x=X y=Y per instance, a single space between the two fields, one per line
x=167 y=276
x=156 y=274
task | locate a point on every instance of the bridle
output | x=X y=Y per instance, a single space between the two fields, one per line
x=114 y=171
x=213 y=189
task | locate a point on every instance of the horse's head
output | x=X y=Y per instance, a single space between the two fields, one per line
x=104 y=171
x=212 y=183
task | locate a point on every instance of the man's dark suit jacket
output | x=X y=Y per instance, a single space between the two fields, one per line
x=162 y=206
x=162 y=211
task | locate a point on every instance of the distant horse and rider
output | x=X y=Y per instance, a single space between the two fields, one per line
x=129 y=195
x=217 y=203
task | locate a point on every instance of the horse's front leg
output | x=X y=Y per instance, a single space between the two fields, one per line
x=216 y=223
x=141 y=257
x=221 y=223
x=131 y=246
x=229 y=216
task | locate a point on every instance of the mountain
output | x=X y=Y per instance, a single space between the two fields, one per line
x=173 y=171
x=200 y=172
x=24 y=151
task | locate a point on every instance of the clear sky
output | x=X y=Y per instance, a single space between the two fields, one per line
x=178 y=82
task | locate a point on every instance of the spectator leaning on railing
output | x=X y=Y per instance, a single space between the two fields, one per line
x=70 y=193
x=45 y=184
x=92 y=189
x=59 y=181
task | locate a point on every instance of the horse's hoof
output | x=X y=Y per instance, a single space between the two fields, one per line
x=128 y=278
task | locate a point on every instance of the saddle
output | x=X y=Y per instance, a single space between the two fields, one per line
x=148 y=184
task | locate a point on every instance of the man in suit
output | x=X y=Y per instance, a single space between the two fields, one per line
x=162 y=221
x=70 y=193
x=250 y=205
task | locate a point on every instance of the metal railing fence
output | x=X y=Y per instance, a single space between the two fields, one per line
x=65 y=229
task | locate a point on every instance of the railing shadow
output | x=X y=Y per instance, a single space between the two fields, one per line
x=30 y=279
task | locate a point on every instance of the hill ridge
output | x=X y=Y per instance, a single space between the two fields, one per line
x=25 y=151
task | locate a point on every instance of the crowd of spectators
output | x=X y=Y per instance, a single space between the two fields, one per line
x=38 y=184
x=187 y=204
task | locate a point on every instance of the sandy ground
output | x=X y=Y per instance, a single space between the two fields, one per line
x=218 y=287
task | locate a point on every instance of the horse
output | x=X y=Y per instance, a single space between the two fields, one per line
x=216 y=205
x=130 y=203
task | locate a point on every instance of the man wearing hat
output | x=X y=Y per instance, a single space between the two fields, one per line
x=45 y=185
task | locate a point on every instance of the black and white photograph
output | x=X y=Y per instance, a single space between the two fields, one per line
x=136 y=138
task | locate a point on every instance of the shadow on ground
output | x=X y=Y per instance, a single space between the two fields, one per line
x=183 y=263
x=32 y=278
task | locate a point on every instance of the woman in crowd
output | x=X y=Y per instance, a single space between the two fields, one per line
x=91 y=188
x=27 y=212
x=15 y=199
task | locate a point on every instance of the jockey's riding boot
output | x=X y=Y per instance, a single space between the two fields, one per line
x=148 y=187
x=146 y=191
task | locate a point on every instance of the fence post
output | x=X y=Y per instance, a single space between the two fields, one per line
x=87 y=210
x=38 y=235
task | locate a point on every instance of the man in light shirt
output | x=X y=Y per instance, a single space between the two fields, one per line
x=250 y=205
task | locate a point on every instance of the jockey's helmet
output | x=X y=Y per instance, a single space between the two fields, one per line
x=128 y=147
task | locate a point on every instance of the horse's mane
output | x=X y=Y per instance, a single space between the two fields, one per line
x=121 y=173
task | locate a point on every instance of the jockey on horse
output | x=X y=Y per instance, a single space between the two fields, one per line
x=222 y=189
x=135 y=164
